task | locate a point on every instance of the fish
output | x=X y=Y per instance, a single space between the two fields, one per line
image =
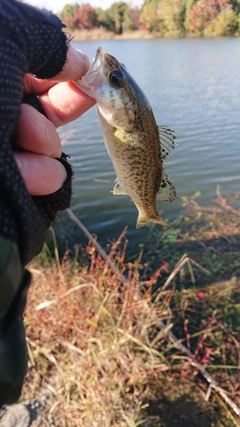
x=135 y=143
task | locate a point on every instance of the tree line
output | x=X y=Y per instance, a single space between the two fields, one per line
x=167 y=18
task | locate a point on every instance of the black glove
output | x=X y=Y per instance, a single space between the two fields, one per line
x=30 y=42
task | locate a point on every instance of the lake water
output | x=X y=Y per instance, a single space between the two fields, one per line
x=193 y=86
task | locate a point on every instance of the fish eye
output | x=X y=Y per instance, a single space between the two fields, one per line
x=115 y=78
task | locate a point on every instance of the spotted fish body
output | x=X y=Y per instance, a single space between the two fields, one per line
x=136 y=145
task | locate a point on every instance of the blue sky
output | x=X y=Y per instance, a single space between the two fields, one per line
x=57 y=5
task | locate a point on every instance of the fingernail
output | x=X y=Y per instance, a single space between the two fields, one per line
x=53 y=147
x=47 y=131
x=84 y=59
x=21 y=162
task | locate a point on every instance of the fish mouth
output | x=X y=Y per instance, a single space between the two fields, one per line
x=94 y=70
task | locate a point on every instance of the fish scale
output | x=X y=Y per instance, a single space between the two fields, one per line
x=135 y=144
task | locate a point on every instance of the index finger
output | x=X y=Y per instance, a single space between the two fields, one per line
x=64 y=103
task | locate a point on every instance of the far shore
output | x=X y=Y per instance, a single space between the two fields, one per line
x=102 y=34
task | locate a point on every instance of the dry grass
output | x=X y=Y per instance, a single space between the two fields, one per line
x=96 y=346
x=98 y=355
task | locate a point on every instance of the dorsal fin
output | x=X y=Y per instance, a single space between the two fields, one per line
x=167 y=191
x=167 y=140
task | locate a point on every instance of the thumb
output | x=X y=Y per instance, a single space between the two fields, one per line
x=76 y=65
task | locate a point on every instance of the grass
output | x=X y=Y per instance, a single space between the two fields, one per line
x=98 y=355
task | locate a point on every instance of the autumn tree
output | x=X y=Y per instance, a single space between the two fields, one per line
x=225 y=24
x=189 y=6
x=84 y=17
x=204 y=12
x=136 y=17
x=173 y=18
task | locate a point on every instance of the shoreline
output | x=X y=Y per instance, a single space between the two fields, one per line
x=101 y=34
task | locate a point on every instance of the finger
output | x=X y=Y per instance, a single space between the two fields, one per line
x=42 y=174
x=35 y=85
x=35 y=133
x=77 y=64
x=64 y=103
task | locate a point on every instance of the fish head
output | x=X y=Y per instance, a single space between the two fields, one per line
x=109 y=82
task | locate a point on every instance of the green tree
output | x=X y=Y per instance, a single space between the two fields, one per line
x=150 y=16
x=128 y=19
x=153 y=2
x=104 y=19
x=116 y=17
x=68 y=11
x=235 y=5
x=172 y=13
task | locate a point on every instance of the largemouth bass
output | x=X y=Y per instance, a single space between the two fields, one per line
x=136 y=145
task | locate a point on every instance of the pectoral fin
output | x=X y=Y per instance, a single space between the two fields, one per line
x=167 y=191
x=117 y=189
x=167 y=140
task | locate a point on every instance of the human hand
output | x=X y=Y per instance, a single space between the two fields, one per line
x=63 y=102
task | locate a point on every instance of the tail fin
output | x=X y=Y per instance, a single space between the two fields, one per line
x=141 y=221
